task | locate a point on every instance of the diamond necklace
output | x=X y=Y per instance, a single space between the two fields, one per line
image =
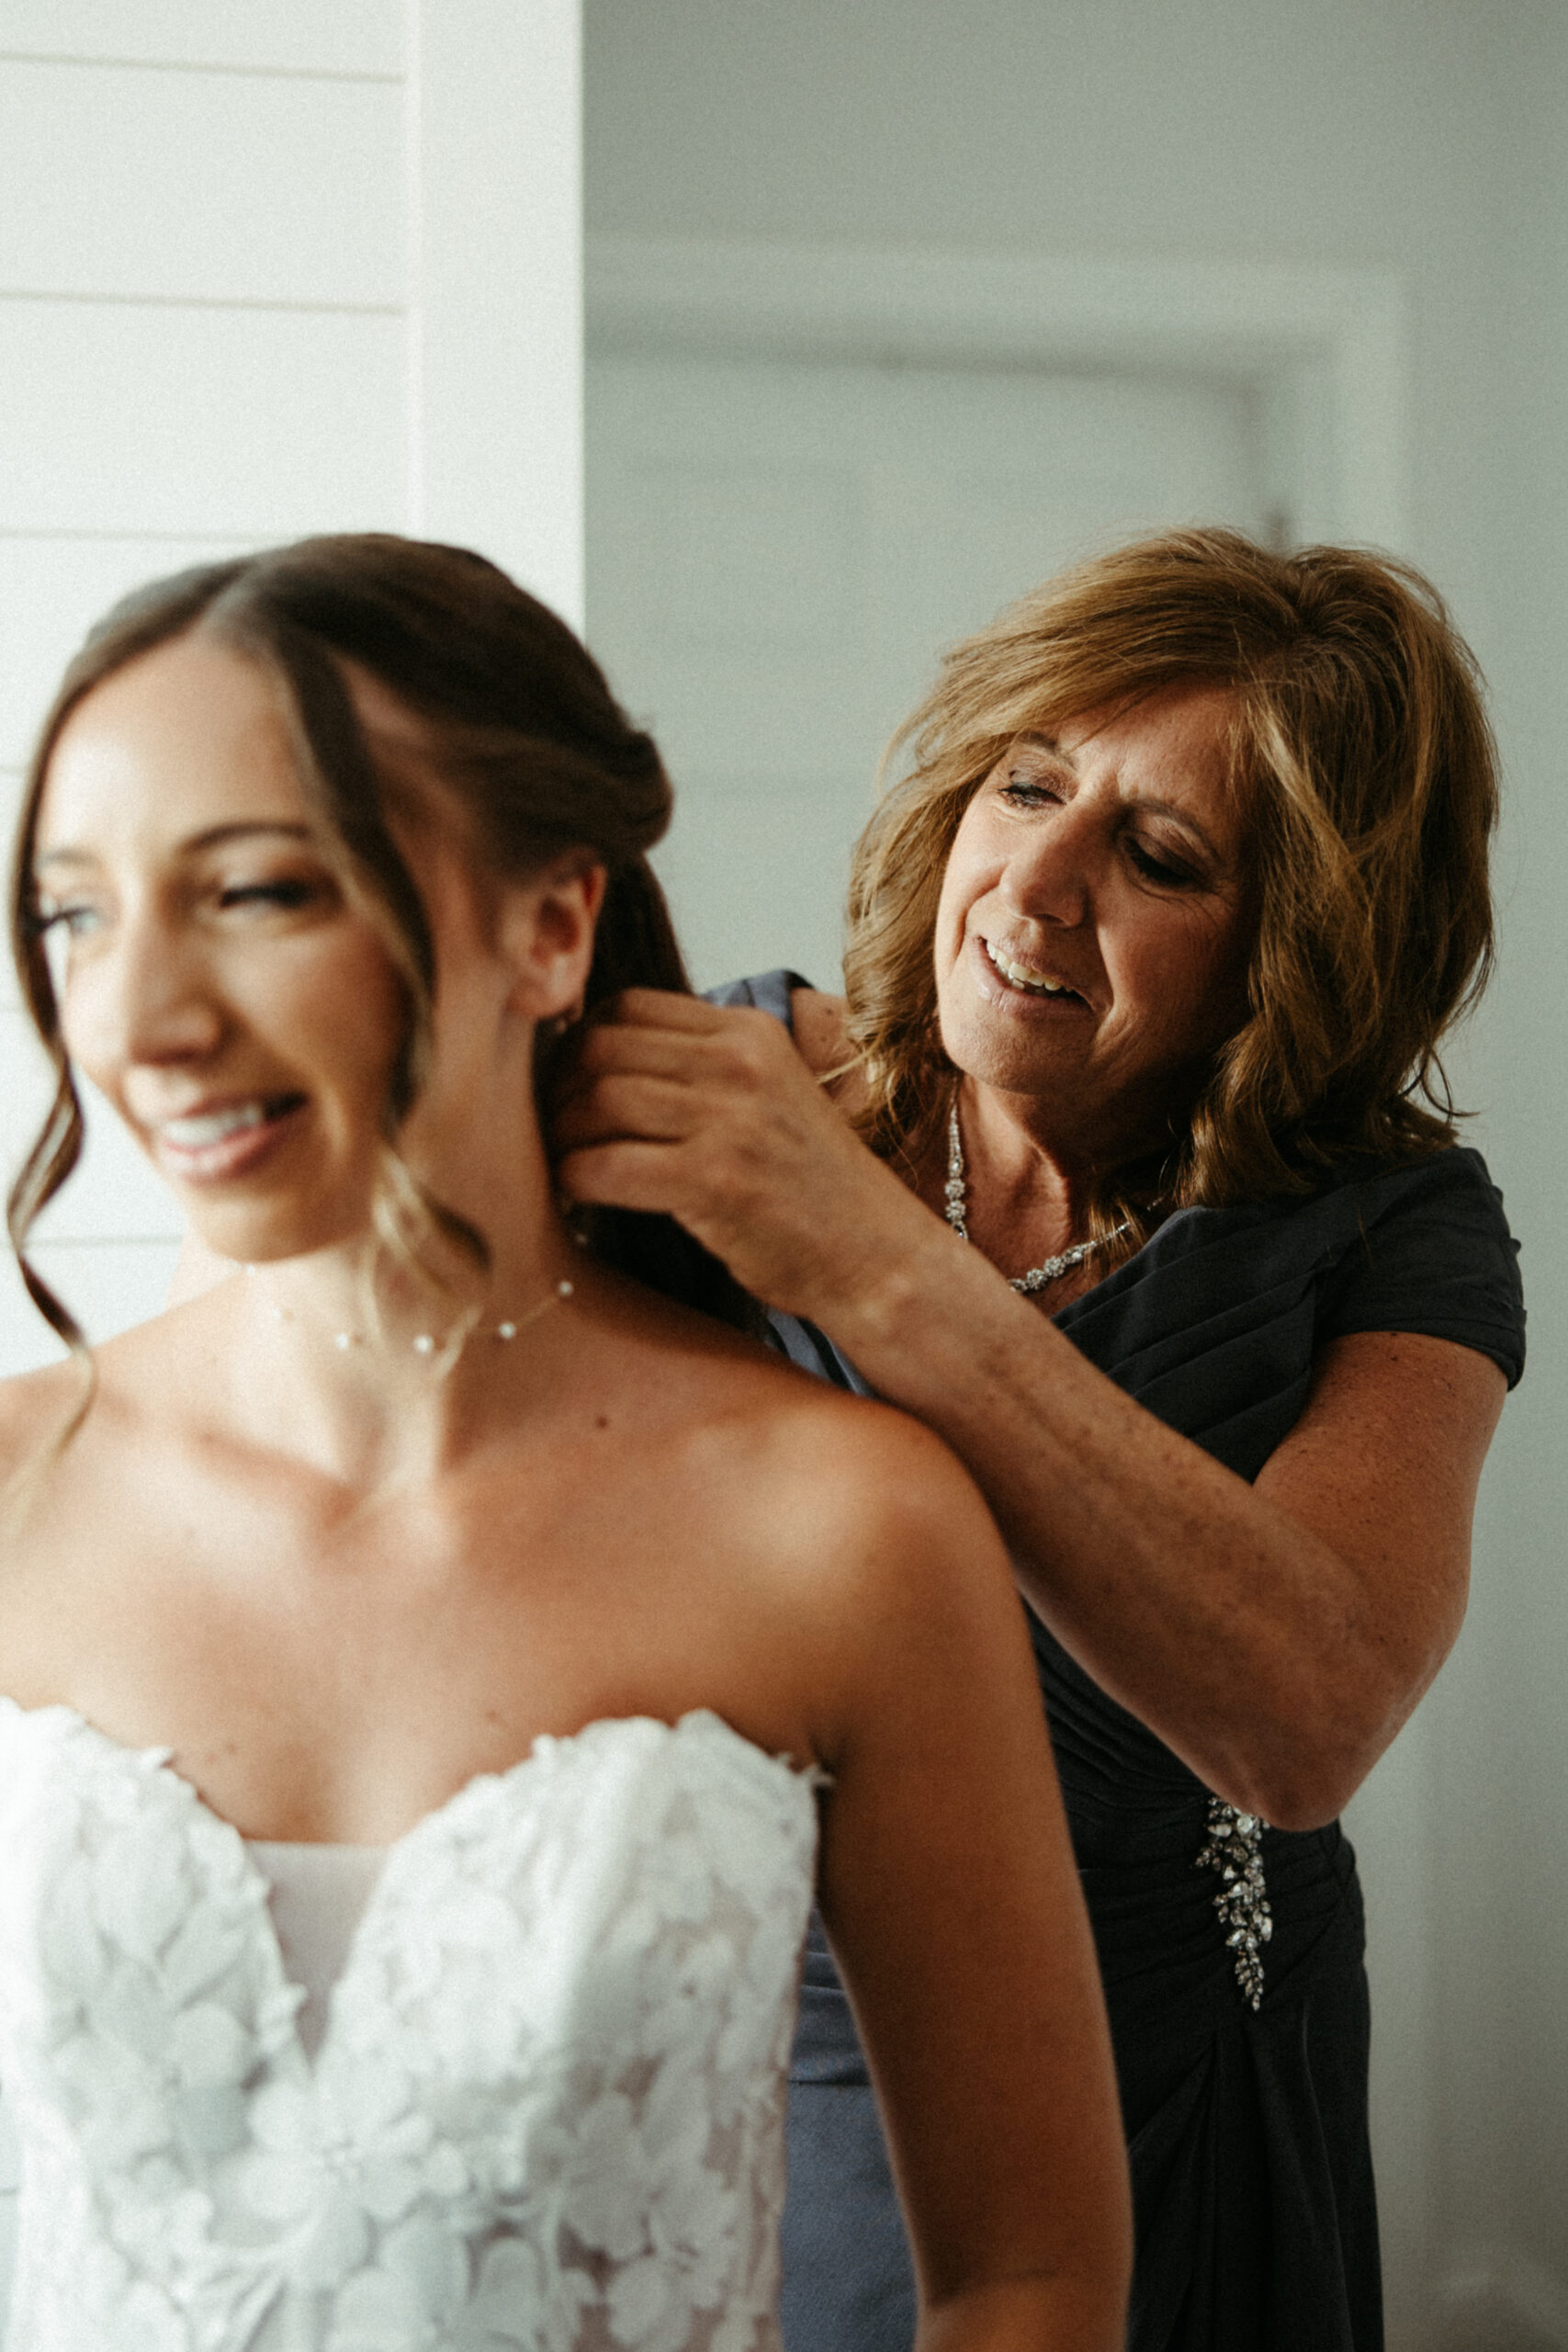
x=957 y=1194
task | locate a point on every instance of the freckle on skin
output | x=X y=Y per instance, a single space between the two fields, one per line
x=602 y=1420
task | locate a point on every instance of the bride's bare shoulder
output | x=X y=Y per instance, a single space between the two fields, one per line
x=37 y=1410
x=781 y=1447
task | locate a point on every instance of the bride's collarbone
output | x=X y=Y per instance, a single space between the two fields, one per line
x=333 y=1684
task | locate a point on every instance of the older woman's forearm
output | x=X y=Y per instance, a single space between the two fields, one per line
x=1276 y=1658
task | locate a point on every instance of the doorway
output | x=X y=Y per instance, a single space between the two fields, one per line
x=778 y=548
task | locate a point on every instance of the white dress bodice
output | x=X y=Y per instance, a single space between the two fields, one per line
x=546 y=2108
x=317 y=1896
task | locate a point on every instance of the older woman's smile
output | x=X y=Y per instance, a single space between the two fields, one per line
x=1029 y=978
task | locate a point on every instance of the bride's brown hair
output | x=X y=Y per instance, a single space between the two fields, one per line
x=522 y=732
x=1367 y=777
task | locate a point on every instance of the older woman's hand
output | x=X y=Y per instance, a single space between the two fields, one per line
x=710 y=1115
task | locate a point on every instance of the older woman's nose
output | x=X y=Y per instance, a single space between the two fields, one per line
x=1054 y=878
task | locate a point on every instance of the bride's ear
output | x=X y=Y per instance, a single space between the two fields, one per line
x=547 y=936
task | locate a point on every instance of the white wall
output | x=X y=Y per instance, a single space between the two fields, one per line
x=1423 y=137
x=265 y=267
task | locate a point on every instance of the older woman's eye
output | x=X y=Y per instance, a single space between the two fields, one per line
x=1028 y=791
x=1158 y=869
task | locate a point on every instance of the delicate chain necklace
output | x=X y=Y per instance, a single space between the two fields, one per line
x=957 y=1194
x=425 y=1343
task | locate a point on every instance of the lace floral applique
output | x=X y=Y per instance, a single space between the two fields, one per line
x=546 y=2113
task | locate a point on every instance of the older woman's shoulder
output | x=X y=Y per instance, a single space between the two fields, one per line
x=1430 y=1251
x=1217 y=1322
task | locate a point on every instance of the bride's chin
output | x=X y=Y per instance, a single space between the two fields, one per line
x=270 y=1241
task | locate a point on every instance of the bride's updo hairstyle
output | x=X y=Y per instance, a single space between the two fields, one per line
x=521 y=731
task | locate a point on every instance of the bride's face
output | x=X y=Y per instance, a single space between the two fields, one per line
x=212 y=980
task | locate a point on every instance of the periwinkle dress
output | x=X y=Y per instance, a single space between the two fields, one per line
x=1245 y=2098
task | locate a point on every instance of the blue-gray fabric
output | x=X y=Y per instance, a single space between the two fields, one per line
x=1257 y=2226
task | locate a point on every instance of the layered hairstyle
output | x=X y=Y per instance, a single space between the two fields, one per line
x=532 y=751
x=1366 y=775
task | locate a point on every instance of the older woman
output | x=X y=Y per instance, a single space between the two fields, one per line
x=1164 y=1227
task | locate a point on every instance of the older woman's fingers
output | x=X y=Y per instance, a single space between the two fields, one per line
x=624 y=1175
x=624 y=1103
x=663 y=1009
x=734 y=1052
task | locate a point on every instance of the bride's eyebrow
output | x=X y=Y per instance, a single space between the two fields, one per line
x=219 y=836
x=211 y=837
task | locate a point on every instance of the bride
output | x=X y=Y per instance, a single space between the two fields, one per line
x=437 y=1668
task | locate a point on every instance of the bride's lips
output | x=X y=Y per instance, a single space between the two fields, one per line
x=221 y=1140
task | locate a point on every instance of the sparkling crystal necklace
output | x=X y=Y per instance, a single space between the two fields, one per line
x=957 y=1194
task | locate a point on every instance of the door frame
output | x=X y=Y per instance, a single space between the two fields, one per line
x=1325 y=350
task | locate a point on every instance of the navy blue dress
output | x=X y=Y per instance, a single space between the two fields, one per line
x=1247 y=2126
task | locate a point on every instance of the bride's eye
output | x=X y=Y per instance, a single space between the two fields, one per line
x=288 y=893
x=57 y=921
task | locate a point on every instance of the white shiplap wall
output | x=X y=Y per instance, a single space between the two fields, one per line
x=267 y=267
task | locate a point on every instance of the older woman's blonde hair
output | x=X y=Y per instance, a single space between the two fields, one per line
x=1366 y=769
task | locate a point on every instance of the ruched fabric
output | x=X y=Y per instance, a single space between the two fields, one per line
x=1256 y=2219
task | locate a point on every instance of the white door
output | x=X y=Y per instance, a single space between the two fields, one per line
x=777 y=550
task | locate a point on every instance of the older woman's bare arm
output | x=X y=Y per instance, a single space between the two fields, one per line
x=1275 y=1635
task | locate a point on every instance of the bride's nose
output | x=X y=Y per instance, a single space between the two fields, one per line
x=145 y=998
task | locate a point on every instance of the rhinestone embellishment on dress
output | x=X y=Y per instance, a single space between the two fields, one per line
x=1235 y=1851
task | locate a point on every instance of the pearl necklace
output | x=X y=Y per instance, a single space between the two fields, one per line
x=424 y=1343
x=957 y=1194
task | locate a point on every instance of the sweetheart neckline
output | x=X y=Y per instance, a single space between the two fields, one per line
x=543 y=1745
x=696 y=1720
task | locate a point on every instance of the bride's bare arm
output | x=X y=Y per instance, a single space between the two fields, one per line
x=949 y=1891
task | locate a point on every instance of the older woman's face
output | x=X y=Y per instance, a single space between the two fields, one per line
x=1094 y=925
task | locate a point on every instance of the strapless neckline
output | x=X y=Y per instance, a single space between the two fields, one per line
x=547 y=2112
x=543 y=1744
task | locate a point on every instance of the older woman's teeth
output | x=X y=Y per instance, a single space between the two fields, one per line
x=204 y=1128
x=1022 y=978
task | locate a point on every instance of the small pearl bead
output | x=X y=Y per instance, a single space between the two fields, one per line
x=425 y=1345
x=506 y=1330
x=564 y=1290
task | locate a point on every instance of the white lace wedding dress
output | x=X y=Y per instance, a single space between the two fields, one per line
x=545 y=2112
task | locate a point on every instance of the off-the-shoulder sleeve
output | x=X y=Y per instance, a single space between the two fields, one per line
x=1433 y=1253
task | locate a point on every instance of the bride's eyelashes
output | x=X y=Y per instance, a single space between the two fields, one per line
x=290 y=894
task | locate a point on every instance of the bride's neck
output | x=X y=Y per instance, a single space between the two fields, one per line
x=379 y=1359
